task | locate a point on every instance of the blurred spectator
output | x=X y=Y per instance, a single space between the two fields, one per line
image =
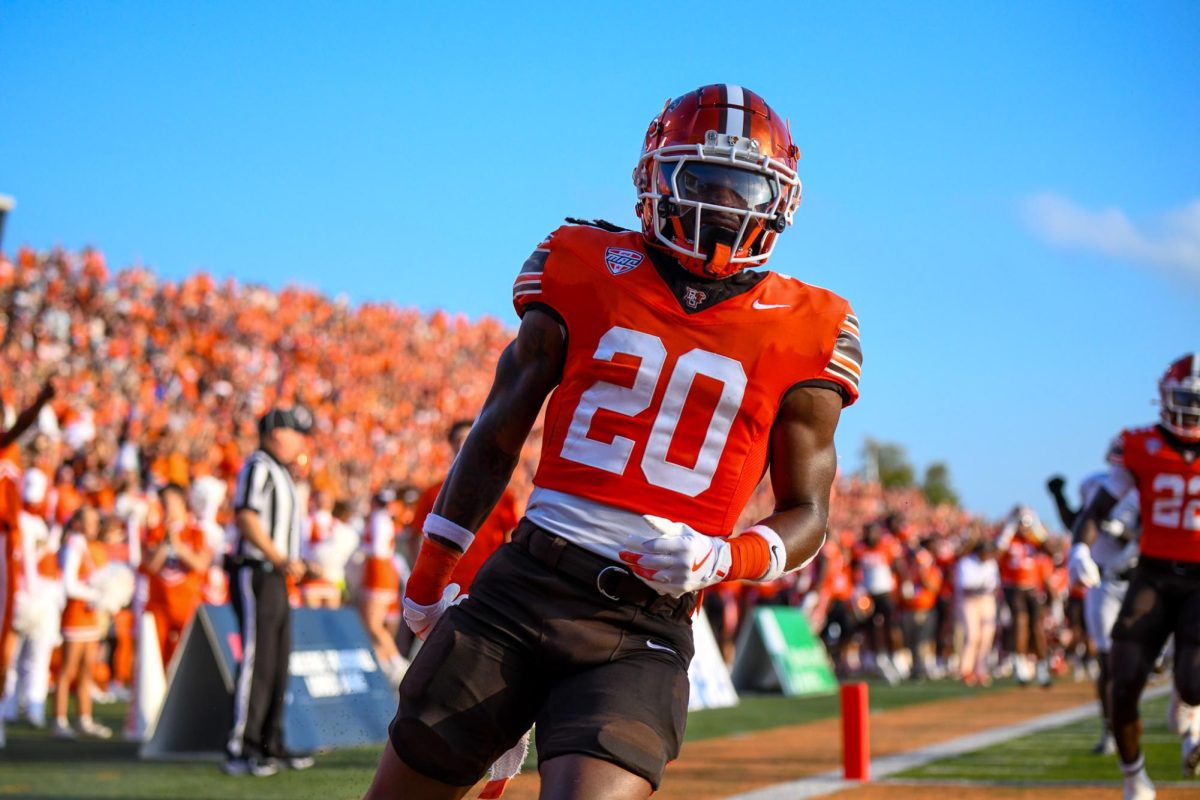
x=177 y=559
x=10 y=512
x=330 y=555
x=976 y=582
x=1025 y=571
x=876 y=559
x=921 y=580
x=82 y=554
x=317 y=589
x=383 y=569
x=37 y=614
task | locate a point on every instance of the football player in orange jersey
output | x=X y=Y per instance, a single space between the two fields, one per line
x=1163 y=464
x=675 y=376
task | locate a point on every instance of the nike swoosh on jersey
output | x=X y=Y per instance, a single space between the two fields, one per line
x=700 y=563
x=760 y=306
x=653 y=646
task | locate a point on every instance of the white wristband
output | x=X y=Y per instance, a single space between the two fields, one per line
x=448 y=530
x=777 y=567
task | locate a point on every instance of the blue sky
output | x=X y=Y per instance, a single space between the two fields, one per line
x=1008 y=193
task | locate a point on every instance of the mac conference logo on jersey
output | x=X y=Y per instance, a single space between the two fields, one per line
x=621 y=260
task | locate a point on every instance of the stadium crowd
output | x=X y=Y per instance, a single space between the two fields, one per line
x=158 y=384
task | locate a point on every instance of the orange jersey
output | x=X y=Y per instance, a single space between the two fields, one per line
x=924 y=578
x=79 y=620
x=10 y=489
x=664 y=411
x=488 y=538
x=836 y=579
x=1022 y=565
x=1168 y=484
x=175 y=588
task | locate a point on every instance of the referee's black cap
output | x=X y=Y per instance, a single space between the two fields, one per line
x=297 y=418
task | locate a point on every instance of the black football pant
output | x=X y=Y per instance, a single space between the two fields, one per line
x=260 y=602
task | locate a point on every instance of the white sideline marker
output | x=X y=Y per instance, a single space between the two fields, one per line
x=826 y=783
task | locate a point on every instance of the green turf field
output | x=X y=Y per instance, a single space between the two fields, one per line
x=1060 y=754
x=34 y=765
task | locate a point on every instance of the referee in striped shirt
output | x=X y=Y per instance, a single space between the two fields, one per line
x=267 y=552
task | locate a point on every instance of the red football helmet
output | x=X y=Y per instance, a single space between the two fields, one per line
x=1179 y=390
x=717 y=179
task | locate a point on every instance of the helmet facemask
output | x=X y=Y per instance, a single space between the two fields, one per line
x=1181 y=408
x=719 y=205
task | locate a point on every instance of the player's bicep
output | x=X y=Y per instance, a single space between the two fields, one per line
x=803 y=456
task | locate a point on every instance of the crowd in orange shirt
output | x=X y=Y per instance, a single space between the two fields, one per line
x=161 y=382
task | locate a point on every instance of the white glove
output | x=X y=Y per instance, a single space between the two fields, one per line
x=679 y=561
x=421 y=619
x=1081 y=568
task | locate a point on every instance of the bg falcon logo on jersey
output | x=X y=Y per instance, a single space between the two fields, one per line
x=621 y=260
x=694 y=297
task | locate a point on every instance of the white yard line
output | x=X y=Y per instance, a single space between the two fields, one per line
x=831 y=782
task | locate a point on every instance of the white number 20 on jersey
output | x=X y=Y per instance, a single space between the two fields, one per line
x=632 y=400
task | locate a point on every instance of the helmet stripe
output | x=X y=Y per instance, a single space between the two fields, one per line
x=735 y=120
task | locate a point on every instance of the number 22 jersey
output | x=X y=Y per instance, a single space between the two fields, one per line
x=665 y=412
x=1168 y=482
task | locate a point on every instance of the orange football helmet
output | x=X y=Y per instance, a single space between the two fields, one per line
x=717 y=179
x=1179 y=390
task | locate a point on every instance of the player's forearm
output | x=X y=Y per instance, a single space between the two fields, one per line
x=1067 y=514
x=802 y=529
x=476 y=481
x=528 y=371
x=803 y=466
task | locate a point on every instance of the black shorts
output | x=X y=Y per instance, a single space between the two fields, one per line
x=883 y=609
x=1023 y=601
x=600 y=677
x=1163 y=598
x=839 y=623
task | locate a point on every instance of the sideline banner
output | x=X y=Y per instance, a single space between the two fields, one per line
x=337 y=695
x=778 y=652
x=709 y=677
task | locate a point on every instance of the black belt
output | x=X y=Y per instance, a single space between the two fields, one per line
x=233 y=562
x=609 y=578
x=1165 y=566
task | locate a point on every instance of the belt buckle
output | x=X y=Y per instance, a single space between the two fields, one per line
x=600 y=577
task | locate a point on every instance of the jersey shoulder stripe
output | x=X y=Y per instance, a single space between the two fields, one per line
x=845 y=363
